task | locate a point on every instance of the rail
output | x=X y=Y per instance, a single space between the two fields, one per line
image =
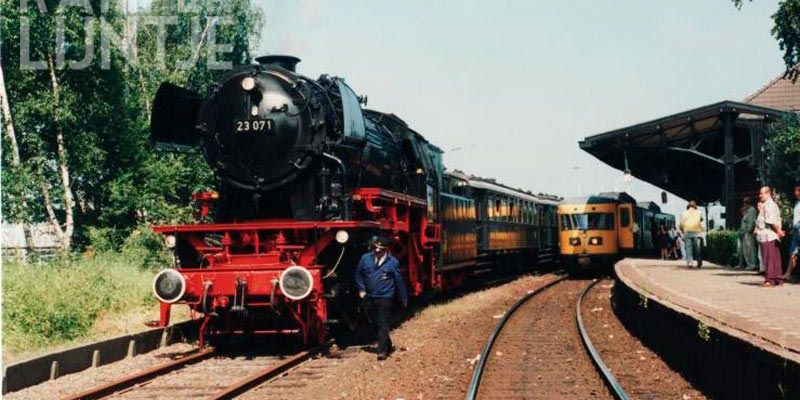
x=142 y=376
x=474 y=384
x=608 y=377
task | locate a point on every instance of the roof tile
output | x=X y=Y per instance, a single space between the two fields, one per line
x=782 y=93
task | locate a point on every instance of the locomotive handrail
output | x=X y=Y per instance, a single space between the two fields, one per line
x=343 y=169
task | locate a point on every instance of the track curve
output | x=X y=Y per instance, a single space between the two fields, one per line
x=539 y=355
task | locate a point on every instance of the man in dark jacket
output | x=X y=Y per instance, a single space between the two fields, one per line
x=377 y=279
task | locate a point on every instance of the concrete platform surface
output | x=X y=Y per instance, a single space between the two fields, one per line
x=731 y=300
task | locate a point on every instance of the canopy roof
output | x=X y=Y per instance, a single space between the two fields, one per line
x=684 y=153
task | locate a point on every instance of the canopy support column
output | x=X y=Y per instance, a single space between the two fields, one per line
x=729 y=191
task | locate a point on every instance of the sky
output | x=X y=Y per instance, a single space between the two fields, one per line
x=508 y=88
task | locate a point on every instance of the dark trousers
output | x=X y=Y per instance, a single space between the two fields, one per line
x=379 y=311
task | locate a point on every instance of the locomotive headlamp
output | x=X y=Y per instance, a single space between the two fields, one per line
x=575 y=241
x=296 y=282
x=170 y=241
x=248 y=83
x=169 y=285
x=342 y=236
x=596 y=241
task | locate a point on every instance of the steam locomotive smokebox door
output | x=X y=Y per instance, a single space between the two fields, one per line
x=257 y=130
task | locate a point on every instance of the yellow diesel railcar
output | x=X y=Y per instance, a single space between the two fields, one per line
x=600 y=229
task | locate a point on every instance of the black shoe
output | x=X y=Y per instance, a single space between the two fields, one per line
x=382 y=357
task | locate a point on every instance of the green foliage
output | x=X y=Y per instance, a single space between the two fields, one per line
x=52 y=303
x=119 y=180
x=143 y=248
x=721 y=248
x=781 y=166
x=786 y=30
x=146 y=250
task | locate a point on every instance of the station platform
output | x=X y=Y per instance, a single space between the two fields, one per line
x=729 y=300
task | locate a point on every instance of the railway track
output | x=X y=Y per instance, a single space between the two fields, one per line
x=535 y=350
x=206 y=373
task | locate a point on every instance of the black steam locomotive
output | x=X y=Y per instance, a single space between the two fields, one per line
x=308 y=176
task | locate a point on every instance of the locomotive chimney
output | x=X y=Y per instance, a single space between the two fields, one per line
x=283 y=61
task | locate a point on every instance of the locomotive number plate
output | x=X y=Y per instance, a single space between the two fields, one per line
x=253 y=125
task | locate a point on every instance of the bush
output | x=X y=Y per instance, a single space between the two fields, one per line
x=105 y=239
x=721 y=248
x=142 y=247
x=146 y=249
x=47 y=304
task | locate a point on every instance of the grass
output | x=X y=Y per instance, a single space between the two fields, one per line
x=73 y=300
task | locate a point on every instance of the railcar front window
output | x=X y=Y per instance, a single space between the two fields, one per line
x=594 y=221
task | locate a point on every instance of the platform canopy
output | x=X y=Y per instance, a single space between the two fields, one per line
x=708 y=154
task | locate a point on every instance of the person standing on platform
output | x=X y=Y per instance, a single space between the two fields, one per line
x=759 y=225
x=768 y=238
x=677 y=243
x=662 y=242
x=794 y=246
x=692 y=228
x=378 y=279
x=748 y=250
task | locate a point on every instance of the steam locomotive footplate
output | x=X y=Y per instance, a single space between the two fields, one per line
x=257 y=125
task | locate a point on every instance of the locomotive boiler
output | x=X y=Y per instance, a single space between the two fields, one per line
x=307 y=178
x=286 y=146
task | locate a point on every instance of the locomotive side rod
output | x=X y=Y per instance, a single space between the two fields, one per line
x=143 y=376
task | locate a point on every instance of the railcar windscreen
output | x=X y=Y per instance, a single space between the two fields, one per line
x=586 y=221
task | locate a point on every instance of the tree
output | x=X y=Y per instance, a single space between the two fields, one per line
x=157 y=187
x=78 y=153
x=60 y=130
x=787 y=32
x=781 y=166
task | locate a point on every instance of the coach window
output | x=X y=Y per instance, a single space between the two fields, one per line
x=624 y=217
x=526 y=209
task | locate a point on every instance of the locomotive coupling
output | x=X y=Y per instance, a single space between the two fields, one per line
x=169 y=285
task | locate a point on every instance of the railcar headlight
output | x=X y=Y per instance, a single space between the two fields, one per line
x=169 y=285
x=296 y=282
x=575 y=241
x=248 y=83
x=342 y=236
x=596 y=241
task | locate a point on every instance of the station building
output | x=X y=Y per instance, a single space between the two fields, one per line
x=711 y=153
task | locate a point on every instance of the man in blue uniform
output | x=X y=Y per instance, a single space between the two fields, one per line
x=377 y=279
